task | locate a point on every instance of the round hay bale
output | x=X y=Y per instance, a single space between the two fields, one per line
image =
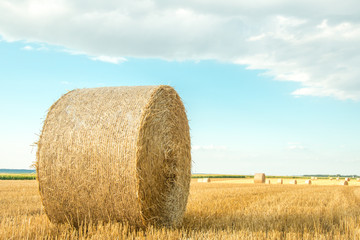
x=337 y=179
x=280 y=181
x=312 y=178
x=206 y=180
x=259 y=178
x=293 y=181
x=358 y=179
x=268 y=181
x=115 y=154
x=344 y=183
x=347 y=179
x=308 y=181
x=330 y=178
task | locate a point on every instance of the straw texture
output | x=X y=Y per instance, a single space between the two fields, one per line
x=115 y=154
x=259 y=178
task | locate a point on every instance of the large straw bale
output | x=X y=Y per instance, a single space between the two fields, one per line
x=259 y=178
x=115 y=154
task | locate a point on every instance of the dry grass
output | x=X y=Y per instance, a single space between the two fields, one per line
x=216 y=210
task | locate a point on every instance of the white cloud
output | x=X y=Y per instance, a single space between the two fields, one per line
x=28 y=48
x=42 y=48
x=73 y=52
x=295 y=146
x=31 y=48
x=108 y=59
x=290 y=40
x=256 y=38
x=209 y=148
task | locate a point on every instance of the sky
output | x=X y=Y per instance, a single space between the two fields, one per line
x=269 y=86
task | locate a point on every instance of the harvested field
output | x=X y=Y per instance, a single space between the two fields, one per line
x=319 y=182
x=218 y=210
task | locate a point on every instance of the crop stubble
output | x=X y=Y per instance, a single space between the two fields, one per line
x=215 y=211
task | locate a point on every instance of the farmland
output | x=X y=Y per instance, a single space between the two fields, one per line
x=17 y=176
x=223 y=209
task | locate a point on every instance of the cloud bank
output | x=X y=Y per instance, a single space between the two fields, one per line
x=315 y=43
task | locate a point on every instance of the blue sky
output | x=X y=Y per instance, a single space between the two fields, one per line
x=279 y=98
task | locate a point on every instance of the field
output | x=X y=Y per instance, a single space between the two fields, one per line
x=222 y=209
x=7 y=176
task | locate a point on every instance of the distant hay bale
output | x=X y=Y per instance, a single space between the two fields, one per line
x=347 y=179
x=268 y=181
x=331 y=178
x=308 y=181
x=115 y=154
x=344 y=183
x=293 y=181
x=337 y=179
x=312 y=178
x=206 y=180
x=259 y=178
x=280 y=181
x=358 y=179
